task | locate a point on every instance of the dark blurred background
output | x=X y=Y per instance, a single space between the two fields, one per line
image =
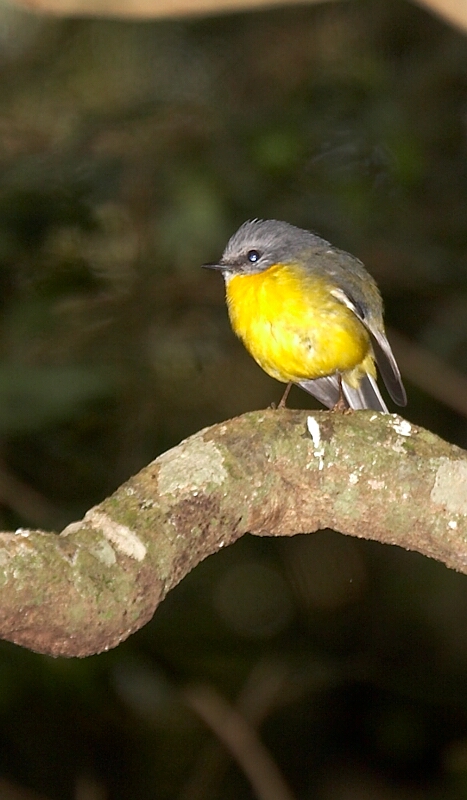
x=129 y=154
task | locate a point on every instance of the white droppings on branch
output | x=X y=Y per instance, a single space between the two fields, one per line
x=24 y=532
x=315 y=433
x=401 y=426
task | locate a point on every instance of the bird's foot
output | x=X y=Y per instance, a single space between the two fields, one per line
x=283 y=401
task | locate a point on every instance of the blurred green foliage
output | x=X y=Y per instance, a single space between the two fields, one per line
x=129 y=152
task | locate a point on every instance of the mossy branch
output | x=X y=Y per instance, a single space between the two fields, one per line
x=270 y=473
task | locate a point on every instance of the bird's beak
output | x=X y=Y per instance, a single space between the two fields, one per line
x=219 y=267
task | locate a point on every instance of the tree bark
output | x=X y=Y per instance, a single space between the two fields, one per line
x=269 y=473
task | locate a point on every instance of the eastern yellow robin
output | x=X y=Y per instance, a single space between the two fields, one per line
x=309 y=314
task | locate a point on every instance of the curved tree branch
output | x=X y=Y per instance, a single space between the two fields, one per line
x=270 y=473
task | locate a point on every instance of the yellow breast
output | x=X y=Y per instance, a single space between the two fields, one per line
x=292 y=325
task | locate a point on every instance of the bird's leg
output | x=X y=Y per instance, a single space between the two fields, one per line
x=283 y=401
x=341 y=406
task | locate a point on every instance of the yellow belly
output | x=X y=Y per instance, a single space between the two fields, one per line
x=294 y=328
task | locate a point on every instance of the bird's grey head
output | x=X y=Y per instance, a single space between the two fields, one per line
x=258 y=244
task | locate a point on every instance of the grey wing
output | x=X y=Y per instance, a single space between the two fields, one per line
x=326 y=390
x=384 y=356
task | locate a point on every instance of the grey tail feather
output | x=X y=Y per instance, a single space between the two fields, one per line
x=326 y=390
x=366 y=396
x=389 y=370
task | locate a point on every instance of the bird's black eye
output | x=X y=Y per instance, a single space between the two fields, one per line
x=253 y=256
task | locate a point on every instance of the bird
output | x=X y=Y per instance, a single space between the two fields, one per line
x=310 y=314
